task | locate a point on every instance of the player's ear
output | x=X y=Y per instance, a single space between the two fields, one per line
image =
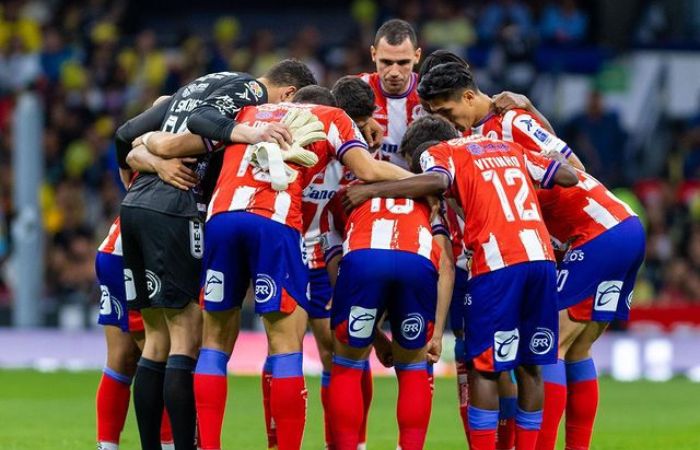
x=373 y=52
x=288 y=93
x=419 y=51
x=468 y=96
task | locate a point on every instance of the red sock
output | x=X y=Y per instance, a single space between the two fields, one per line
x=166 y=430
x=554 y=404
x=482 y=439
x=210 y=391
x=527 y=428
x=266 y=381
x=463 y=394
x=413 y=405
x=505 y=435
x=112 y=403
x=325 y=402
x=346 y=402
x=288 y=399
x=367 y=392
x=582 y=403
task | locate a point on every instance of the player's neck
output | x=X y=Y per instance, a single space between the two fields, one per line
x=402 y=92
x=482 y=108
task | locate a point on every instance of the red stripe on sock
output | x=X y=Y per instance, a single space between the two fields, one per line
x=210 y=393
x=112 y=403
x=288 y=409
x=581 y=408
x=413 y=408
x=554 y=406
x=166 y=430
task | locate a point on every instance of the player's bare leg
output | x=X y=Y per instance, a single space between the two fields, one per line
x=507 y=408
x=483 y=408
x=219 y=333
x=414 y=403
x=114 y=390
x=554 y=377
x=285 y=334
x=149 y=379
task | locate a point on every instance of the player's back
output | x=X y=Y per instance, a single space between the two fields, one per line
x=243 y=186
x=492 y=181
x=582 y=212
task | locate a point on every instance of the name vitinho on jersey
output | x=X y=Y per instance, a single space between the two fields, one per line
x=493 y=162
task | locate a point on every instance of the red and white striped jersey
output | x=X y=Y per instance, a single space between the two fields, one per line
x=244 y=187
x=518 y=125
x=394 y=113
x=316 y=196
x=580 y=213
x=493 y=183
x=113 y=242
x=455 y=225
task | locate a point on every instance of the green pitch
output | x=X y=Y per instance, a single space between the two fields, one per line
x=56 y=411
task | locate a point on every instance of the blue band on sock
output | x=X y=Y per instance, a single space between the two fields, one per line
x=351 y=363
x=211 y=362
x=507 y=407
x=181 y=362
x=286 y=365
x=528 y=420
x=423 y=365
x=267 y=367
x=578 y=371
x=429 y=369
x=325 y=379
x=367 y=366
x=156 y=366
x=124 y=379
x=555 y=373
x=459 y=350
x=482 y=419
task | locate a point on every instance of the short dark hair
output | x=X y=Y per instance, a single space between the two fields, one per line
x=290 y=72
x=440 y=57
x=316 y=95
x=446 y=81
x=395 y=31
x=415 y=158
x=427 y=128
x=354 y=96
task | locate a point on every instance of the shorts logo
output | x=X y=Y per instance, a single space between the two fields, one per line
x=105 y=301
x=152 y=284
x=562 y=276
x=467 y=300
x=265 y=288
x=542 y=341
x=607 y=296
x=196 y=239
x=129 y=285
x=574 y=255
x=412 y=326
x=629 y=300
x=361 y=321
x=505 y=345
x=214 y=286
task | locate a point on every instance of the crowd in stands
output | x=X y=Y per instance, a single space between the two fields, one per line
x=92 y=69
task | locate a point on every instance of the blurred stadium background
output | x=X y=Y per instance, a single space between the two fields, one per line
x=619 y=80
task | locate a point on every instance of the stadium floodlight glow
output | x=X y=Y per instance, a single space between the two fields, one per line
x=658 y=356
x=626 y=363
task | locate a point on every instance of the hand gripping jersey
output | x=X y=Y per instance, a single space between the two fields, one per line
x=574 y=215
x=243 y=187
x=394 y=113
x=322 y=189
x=112 y=244
x=493 y=183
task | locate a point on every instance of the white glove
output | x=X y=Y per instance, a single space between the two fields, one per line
x=304 y=126
x=268 y=157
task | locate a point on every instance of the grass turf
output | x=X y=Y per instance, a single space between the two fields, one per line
x=56 y=411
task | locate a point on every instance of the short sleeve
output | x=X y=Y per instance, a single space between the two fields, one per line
x=529 y=132
x=438 y=159
x=541 y=169
x=343 y=135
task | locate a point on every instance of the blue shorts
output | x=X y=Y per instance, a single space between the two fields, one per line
x=372 y=281
x=321 y=292
x=512 y=317
x=595 y=280
x=110 y=274
x=241 y=246
x=459 y=300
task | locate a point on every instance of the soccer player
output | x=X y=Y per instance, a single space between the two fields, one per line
x=581 y=219
x=511 y=319
x=162 y=236
x=390 y=264
x=245 y=213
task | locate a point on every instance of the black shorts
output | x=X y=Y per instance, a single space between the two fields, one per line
x=162 y=258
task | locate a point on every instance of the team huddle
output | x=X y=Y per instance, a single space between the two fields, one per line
x=400 y=197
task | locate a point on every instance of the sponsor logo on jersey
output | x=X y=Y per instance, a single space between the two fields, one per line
x=574 y=255
x=194 y=88
x=542 y=341
x=389 y=148
x=540 y=135
x=129 y=285
x=361 y=322
x=412 y=326
x=505 y=345
x=607 y=296
x=214 y=286
x=527 y=122
x=265 y=288
x=255 y=89
x=226 y=105
x=475 y=149
x=153 y=284
x=311 y=193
